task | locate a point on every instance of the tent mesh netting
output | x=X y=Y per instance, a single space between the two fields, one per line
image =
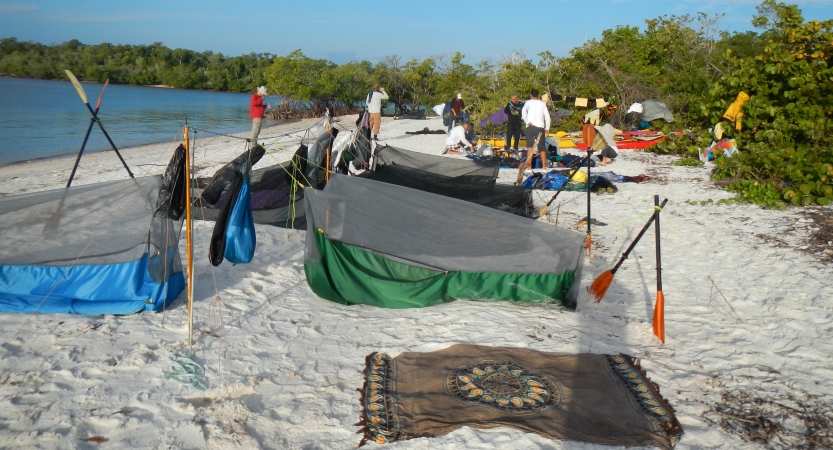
x=275 y=190
x=471 y=188
x=386 y=245
x=472 y=181
x=95 y=249
x=440 y=165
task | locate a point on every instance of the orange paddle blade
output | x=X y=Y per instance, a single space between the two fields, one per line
x=599 y=287
x=659 y=317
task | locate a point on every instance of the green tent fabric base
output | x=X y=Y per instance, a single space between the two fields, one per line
x=390 y=246
x=379 y=281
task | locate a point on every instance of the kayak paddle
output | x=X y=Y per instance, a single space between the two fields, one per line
x=543 y=209
x=599 y=287
x=659 y=307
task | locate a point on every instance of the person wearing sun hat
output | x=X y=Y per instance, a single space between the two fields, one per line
x=457 y=106
x=605 y=144
x=257 y=110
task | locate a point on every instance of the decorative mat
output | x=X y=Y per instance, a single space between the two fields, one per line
x=601 y=399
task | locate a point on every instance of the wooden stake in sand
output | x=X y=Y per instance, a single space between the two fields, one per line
x=724 y=299
x=189 y=245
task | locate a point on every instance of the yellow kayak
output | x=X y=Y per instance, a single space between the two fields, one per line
x=501 y=142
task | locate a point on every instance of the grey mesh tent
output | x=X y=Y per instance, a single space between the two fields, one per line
x=276 y=190
x=386 y=245
x=480 y=189
x=514 y=199
x=653 y=110
x=276 y=198
x=440 y=165
x=95 y=249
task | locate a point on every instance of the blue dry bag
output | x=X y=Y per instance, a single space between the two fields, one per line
x=240 y=231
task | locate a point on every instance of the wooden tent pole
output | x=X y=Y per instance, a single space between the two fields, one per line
x=189 y=247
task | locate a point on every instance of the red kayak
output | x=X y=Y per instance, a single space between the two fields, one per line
x=635 y=140
x=628 y=144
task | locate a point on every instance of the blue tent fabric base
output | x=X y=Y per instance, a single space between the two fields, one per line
x=101 y=248
x=124 y=288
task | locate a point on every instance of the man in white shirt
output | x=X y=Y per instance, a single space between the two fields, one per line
x=456 y=140
x=536 y=116
x=374 y=108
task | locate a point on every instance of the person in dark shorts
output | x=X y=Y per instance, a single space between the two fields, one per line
x=513 y=122
x=536 y=115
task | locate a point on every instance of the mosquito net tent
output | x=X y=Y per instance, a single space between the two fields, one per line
x=275 y=196
x=386 y=245
x=440 y=165
x=276 y=191
x=472 y=188
x=95 y=249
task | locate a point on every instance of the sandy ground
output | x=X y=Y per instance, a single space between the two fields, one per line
x=283 y=365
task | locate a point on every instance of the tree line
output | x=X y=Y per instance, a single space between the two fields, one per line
x=674 y=58
x=134 y=64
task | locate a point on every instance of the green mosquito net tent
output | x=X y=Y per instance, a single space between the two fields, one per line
x=386 y=245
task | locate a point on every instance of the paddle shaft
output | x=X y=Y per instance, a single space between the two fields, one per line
x=95 y=118
x=656 y=238
x=589 y=220
x=80 y=152
x=639 y=236
x=528 y=162
x=570 y=177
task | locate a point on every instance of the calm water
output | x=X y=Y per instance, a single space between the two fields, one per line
x=42 y=118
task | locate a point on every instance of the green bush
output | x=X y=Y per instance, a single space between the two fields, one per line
x=786 y=140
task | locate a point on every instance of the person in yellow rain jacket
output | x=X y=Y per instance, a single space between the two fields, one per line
x=734 y=113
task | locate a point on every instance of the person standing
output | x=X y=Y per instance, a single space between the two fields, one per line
x=374 y=108
x=456 y=115
x=536 y=115
x=513 y=122
x=257 y=111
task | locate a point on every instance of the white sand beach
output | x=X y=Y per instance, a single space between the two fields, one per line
x=282 y=365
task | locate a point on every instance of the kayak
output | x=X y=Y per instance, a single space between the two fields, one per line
x=629 y=144
x=634 y=140
x=501 y=142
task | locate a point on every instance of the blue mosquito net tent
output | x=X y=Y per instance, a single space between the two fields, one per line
x=105 y=248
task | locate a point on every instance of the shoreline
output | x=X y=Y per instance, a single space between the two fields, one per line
x=88 y=151
x=52 y=172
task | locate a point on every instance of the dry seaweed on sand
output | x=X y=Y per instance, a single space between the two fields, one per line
x=820 y=239
x=777 y=423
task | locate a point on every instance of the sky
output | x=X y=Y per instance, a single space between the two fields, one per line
x=341 y=31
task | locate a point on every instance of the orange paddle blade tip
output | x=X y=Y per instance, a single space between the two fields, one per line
x=659 y=317
x=599 y=287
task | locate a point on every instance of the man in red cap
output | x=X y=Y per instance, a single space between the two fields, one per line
x=257 y=111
